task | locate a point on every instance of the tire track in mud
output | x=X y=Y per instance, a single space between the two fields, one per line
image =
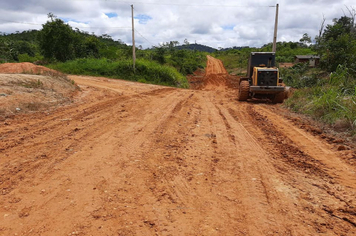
x=87 y=110
x=287 y=150
x=250 y=171
x=255 y=183
x=183 y=189
x=283 y=148
x=146 y=165
x=77 y=128
x=307 y=163
x=283 y=178
x=150 y=116
x=170 y=161
x=169 y=183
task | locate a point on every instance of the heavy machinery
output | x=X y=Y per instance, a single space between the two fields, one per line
x=262 y=79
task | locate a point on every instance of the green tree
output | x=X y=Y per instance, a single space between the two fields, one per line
x=306 y=39
x=56 y=40
x=158 y=54
x=5 y=50
x=337 y=45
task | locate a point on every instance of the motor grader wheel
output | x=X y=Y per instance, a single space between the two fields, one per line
x=244 y=90
x=279 y=97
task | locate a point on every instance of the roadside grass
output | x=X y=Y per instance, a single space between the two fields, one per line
x=331 y=99
x=146 y=71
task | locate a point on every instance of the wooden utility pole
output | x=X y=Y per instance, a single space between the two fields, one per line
x=275 y=31
x=133 y=40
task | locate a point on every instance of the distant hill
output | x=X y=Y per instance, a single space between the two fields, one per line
x=203 y=48
x=238 y=48
x=197 y=47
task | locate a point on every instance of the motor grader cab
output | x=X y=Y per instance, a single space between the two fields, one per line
x=262 y=79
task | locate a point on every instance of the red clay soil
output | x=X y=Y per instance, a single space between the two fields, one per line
x=24 y=67
x=150 y=160
x=215 y=77
x=23 y=89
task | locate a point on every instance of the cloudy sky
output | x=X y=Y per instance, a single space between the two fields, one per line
x=222 y=23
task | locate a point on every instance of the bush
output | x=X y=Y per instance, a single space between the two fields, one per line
x=343 y=80
x=25 y=58
x=146 y=71
x=300 y=76
x=330 y=101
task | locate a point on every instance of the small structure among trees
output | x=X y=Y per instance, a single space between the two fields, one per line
x=313 y=60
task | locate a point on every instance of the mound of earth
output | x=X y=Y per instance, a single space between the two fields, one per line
x=21 y=93
x=26 y=68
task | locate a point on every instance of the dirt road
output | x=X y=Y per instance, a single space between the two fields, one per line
x=136 y=159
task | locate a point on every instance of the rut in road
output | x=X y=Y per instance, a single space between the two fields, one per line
x=150 y=160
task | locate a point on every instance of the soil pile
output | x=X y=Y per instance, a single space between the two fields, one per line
x=25 y=68
x=22 y=91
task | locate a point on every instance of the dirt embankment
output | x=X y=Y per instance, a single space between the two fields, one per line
x=25 y=87
x=152 y=160
x=25 y=68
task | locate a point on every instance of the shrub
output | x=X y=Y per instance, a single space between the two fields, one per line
x=329 y=100
x=149 y=71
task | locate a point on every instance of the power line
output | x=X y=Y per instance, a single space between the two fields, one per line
x=152 y=44
x=172 y=4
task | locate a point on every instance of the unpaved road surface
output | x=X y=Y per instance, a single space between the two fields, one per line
x=136 y=159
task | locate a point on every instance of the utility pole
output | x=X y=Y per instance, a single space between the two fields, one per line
x=133 y=39
x=275 y=30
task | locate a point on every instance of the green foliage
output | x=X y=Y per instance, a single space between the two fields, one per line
x=306 y=39
x=343 y=80
x=286 y=51
x=329 y=99
x=332 y=98
x=26 y=58
x=158 y=55
x=337 y=45
x=301 y=76
x=146 y=71
x=186 y=61
x=57 y=40
x=5 y=50
x=11 y=49
x=326 y=103
x=235 y=59
x=86 y=46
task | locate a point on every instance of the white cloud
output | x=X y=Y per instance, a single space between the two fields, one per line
x=209 y=22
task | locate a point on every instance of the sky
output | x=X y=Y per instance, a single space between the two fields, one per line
x=218 y=24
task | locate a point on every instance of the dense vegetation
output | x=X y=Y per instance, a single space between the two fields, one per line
x=75 y=51
x=147 y=71
x=328 y=93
